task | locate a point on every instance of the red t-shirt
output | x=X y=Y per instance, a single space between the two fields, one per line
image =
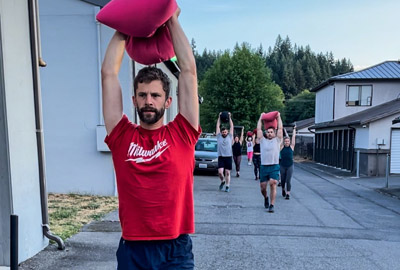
x=154 y=170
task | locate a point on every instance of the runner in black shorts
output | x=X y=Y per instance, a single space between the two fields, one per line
x=224 y=140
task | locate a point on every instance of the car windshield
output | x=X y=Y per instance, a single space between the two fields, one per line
x=206 y=145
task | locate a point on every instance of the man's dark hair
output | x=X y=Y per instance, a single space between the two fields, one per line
x=271 y=128
x=149 y=74
x=223 y=128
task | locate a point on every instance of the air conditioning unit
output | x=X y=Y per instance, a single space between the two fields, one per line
x=380 y=141
x=352 y=103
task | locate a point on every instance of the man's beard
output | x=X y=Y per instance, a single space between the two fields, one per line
x=150 y=118
x=224 y=135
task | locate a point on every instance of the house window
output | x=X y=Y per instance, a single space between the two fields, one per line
x=359 y=95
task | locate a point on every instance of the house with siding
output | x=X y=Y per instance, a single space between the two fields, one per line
x=355 y=116
x=73 y=46
x=21 y=192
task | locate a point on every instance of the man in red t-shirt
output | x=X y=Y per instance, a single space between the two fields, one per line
x=153 y=162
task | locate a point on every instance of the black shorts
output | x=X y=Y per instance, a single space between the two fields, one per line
x=157 y=254
x=225 y=162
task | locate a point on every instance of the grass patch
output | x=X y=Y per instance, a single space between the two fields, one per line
x=68 y=213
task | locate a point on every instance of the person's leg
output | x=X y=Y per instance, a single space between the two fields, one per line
x=235 y=161
x=283 y=179
x=272 y=192
x=251 y=157
x=289 y=179
x=123 y=256
x=259 y=165
x=239 y=160
x=179 y=254
x=248 y=157
x=263 y=186
x=221 y=169
x=221 y=172
x=227 y=177
x=263 y=189
x=255 y=167
x=228 y=168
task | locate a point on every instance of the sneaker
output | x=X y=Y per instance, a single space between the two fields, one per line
x=283 y=193
x=226 y=189
x=287 y=197
x=279 y=184
x=238 y=174
x=249 y=163
x=222 y=185
x=266 y=202
x=271 y=208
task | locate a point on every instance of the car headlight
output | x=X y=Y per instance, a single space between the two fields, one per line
x=214 y=160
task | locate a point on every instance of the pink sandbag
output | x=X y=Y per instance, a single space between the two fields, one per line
x=138 y=18
x=269 y=119
x=249 y=134
x=152 y=50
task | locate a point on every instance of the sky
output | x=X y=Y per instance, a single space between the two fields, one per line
x=365 y=31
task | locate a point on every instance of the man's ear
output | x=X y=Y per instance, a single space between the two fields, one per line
x=168 y=102
x=134 y=101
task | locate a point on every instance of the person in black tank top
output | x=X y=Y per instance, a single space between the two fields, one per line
x=237 y=152
x=286 y=163
x=256 y=158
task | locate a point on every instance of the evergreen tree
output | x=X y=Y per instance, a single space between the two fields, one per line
x=295 y=68
x=300 y=107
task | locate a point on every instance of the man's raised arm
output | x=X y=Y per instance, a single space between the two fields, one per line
x=187 y=84
x=259 y=130
x=217 y=129
x=231 y=127
x=280 y=127
x=112 y=96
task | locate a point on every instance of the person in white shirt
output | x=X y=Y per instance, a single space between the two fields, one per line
x=269 y=172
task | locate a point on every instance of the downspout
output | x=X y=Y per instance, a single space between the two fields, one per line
x=98 y=36
x=36 y=60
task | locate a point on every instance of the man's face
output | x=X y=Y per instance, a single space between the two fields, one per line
x=150 y=102
x=270 y=133
x=224 y=133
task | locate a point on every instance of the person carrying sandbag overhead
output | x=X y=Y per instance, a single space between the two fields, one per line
x=270 y=143
x=153 y=162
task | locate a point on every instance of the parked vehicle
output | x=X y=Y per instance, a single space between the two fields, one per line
x=206 y=155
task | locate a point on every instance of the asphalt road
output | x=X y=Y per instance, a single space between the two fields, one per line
x=330 y=222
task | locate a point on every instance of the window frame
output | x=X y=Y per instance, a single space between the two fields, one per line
x=357 y=103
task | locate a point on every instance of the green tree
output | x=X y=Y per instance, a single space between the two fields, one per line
x=300 y=107
x=238 y=82
x=203 y=61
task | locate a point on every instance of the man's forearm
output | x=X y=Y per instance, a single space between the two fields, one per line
x=114 y=55
x=280 y=125
x=111 y=89
x=259 y=124
x=188 y=104
x=231 y=125
x=182 y=48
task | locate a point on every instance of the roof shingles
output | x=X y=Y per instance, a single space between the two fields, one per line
x=369 y=115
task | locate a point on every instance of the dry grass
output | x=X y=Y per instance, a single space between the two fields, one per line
x=69 y=212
